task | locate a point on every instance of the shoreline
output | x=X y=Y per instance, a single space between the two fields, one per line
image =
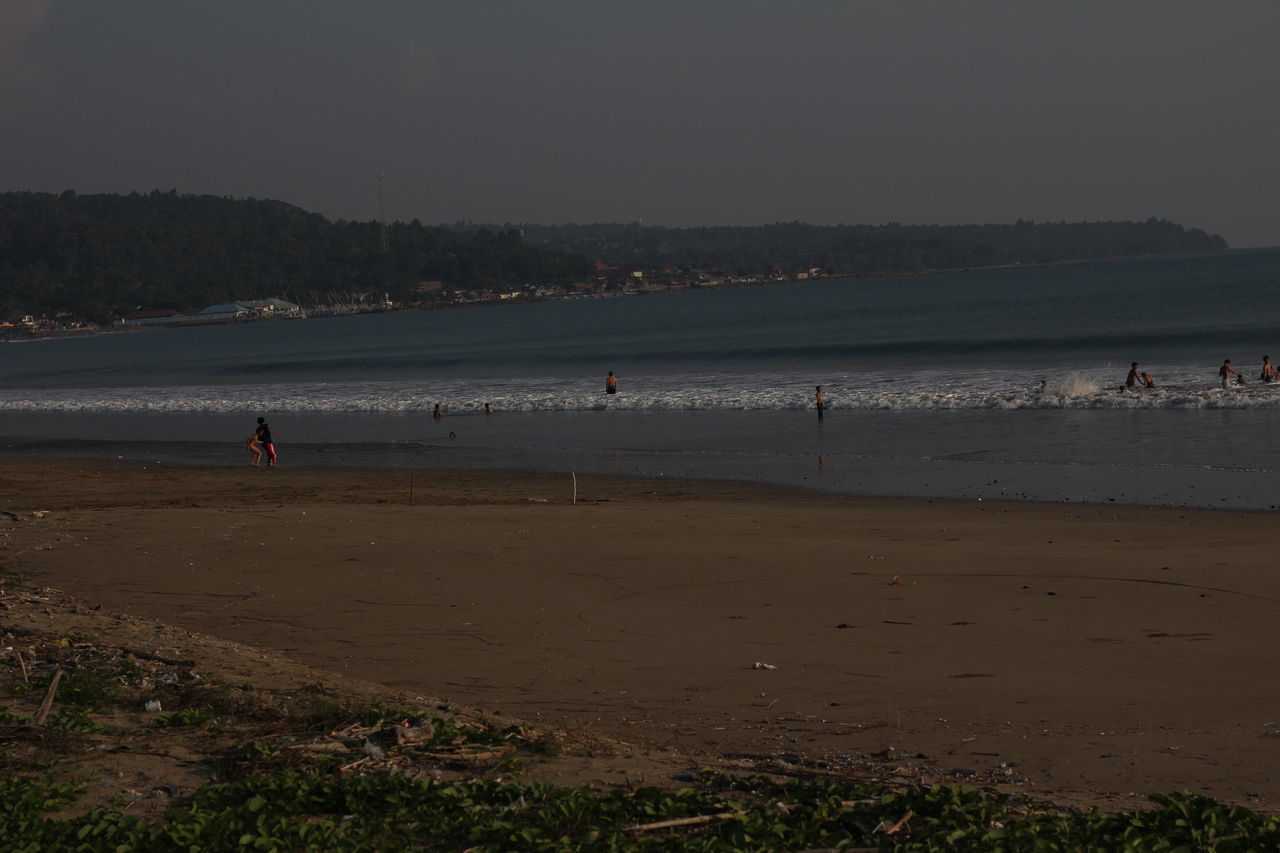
x=829 y=473
x=1088 y=652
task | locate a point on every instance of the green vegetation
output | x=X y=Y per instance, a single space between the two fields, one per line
x=307 y=769
x=323 y=811
x=97 y=257
x=869 y=249
x=100 y=256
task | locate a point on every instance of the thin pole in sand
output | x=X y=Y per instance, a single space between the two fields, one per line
x=410 y=487
x=574 y=475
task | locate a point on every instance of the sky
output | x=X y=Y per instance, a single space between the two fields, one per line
x=685 y=113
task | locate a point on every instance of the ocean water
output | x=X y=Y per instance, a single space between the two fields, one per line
x=992 y=383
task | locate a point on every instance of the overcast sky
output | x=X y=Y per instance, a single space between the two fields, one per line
x=690 y=112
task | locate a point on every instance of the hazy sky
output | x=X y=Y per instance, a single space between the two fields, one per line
x=692 y=112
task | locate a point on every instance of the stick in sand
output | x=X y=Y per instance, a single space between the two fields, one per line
x=48 y=697
x=574 y=475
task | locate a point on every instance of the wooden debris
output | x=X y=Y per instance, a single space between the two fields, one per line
x=681 y=821
x=901 y=823
x=138 y=653
x=48 y=697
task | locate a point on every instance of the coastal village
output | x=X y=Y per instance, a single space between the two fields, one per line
x=608 y=282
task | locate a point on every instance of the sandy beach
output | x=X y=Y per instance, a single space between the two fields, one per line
x=1082 y=652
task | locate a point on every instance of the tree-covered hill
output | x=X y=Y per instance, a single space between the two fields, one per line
x=868 y=249
x=98 y=256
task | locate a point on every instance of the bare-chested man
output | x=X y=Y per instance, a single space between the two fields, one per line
x=1227 y=371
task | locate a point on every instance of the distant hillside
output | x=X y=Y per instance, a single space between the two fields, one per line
x=99 y=256
x=866 y=249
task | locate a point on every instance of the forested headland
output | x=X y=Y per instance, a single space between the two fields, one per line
x=97 y=257
x=869 y=249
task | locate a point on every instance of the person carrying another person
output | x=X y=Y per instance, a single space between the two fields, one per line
x=1227 y=371
x=266 y=436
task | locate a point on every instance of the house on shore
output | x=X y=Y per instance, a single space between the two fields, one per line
x=271 y=307
x=227 y=311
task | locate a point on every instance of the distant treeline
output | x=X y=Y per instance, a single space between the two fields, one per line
x=100 y=256
x=867 y=249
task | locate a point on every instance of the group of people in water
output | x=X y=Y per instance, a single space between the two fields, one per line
x=262 y=442
x=1142 y=379
x=610 y=387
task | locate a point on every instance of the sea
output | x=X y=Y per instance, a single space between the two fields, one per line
x=973 y=385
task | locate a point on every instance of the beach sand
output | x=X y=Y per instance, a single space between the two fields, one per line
x=1087 y=653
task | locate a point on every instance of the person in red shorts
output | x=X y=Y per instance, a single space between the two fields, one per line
x=266 y=439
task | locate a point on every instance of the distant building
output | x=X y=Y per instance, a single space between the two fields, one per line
x=150 y=318
x=272 y=307
x=229 y=311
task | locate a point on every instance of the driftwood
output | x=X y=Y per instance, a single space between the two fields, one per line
x=897 y=826
x=139 y=653
x=48 y=697
x=23 y=664
x=681 y=821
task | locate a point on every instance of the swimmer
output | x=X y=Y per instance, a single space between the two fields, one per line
x=437 y=414
x=1268 y=370
x=1132 y=380
x=611 y=384
x=1148 y=381
x=1227 y=371
x=488 y=410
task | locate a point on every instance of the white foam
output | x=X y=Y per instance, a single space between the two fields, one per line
x=905 y=391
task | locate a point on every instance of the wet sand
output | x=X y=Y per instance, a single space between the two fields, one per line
x=1065 y=648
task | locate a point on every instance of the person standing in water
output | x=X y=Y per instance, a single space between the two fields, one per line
x=1227 y=371
x=819 y=401
x=1268 y=370
x=1133 y=380
x=266 y=437
x=611 y=384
